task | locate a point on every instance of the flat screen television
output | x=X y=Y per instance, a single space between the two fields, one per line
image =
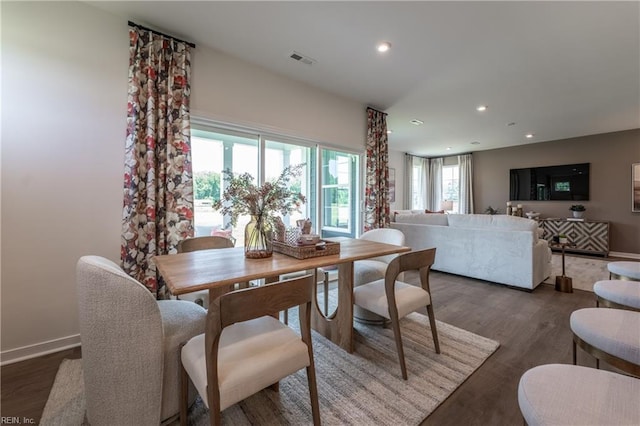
x=569 y=182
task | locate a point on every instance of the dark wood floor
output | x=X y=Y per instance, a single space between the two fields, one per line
x=532 y=328
x=26 y=385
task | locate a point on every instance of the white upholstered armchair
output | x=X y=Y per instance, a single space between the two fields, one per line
x=130 y=345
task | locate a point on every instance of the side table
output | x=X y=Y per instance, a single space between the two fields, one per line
x=563 y=283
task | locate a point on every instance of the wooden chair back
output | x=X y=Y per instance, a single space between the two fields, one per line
x=255 y=302
x=419 y=260
x=204 y=243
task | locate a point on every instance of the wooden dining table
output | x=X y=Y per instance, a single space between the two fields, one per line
x=214 y=269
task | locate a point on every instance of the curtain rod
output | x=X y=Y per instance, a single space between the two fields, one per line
x=445 y=156
x=376 y=110
x=142 y=27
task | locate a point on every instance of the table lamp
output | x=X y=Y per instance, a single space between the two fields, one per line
x=446 y=205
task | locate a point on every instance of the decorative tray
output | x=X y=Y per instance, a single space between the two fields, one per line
x=323 y=248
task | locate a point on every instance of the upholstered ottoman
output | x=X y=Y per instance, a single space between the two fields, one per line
x=556 y=394
x=624 y=270
x=618 y=294
x=611 y=335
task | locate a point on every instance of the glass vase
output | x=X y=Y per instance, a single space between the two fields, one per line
x=257 y=238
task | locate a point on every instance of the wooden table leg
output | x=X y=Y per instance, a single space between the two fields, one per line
x=339 y=327
x=216 y=292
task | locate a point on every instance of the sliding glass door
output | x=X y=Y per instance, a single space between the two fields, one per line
x=329 y=180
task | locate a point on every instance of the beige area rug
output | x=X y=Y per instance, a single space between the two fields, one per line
x=362 y=388
x=584 y=271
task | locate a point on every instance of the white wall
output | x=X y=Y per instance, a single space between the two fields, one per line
x=229 y=90
x=396 y=161
x=64 y=81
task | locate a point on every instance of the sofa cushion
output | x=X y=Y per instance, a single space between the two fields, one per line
x=404 y=212
x=503 y=222
x=423 y=219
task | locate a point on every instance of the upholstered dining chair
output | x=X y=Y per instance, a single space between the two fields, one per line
x=367 y=270
x=611 y=335
x=203 y=243
x=393 y=299
x=246 y=349
x=560 y=394
x=130 y=346
x=618 y=294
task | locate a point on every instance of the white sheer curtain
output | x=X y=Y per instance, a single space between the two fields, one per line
x=465 y=181
x=408 y=182
x=417 y=178
x=434 y=184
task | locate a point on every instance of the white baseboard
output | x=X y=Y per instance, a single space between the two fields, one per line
x=625 y=255
x=32 y=351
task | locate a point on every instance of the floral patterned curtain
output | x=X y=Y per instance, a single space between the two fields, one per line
x=158 y=188
x=376 y=195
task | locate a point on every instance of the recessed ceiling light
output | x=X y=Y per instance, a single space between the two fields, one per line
x=383 y=47
x=448 y=148
x=417 y=122
x=389 y=131
x=528 y=135
x=481 y=108
x=475 y=143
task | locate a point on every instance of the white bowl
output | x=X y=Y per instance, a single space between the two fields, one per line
x=309 y=239
x=531 y=215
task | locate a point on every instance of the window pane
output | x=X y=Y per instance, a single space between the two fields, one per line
x=339 y=193
x=213 y=152
x=279 y=155
x=450 y=188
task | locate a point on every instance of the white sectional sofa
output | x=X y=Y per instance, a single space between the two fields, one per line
x=498 y=248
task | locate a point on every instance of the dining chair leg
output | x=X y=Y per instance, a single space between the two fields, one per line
x=215 y=418
x=313 y=394
x=184 y=395
x=575 y=360
x=275 y=387
x=395 y=323
x=434 y=331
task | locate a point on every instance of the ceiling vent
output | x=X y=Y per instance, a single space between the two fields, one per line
x=302 y=58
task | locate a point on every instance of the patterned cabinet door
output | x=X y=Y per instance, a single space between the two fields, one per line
x=555 y=227
x=591 y=236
